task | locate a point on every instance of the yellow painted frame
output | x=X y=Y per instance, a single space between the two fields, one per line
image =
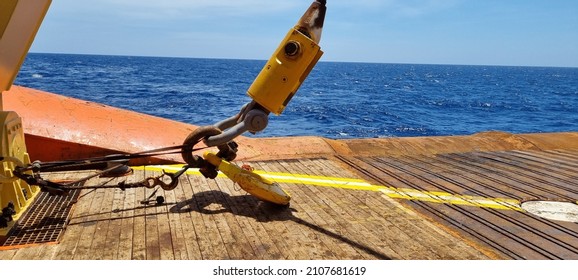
x=19 y=23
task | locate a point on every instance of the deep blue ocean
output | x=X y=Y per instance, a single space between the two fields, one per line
x=338 y=100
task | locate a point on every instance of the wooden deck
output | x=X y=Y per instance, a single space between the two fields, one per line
x=343 y=208
x=478 y=179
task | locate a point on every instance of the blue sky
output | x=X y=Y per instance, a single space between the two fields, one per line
x=480 y=32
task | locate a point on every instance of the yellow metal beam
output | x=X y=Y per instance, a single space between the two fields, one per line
x=7 y=8
x=19 y=23
x=15 y=194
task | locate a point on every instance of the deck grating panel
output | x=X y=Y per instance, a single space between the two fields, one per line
x=44 y=221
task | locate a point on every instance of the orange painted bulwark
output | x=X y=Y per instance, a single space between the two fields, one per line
x=60 y=128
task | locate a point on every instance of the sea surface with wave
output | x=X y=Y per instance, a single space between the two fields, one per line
x=338 y=100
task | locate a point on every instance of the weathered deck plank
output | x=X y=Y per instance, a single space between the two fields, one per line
x=332 y=220
x=299 y=219
x=209 y=239
x=183 y=209
x=257 y=240
x=406 y=240
x=89 y=224
x=73 y=234
x=99 y=246
x=139 y=251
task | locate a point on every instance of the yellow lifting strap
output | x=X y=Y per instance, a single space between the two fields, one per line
x=252 y=183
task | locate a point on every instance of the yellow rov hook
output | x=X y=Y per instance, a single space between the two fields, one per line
x=273 y=88
x=252 y=183
x=270 y=92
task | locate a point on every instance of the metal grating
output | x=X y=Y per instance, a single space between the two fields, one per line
x=44 y=221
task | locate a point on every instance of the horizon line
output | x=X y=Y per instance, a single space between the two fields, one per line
x=321 y=61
